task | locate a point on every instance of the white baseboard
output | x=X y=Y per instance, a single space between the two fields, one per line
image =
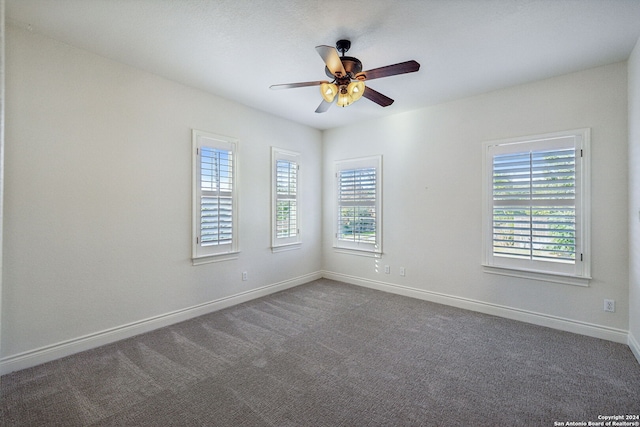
x=634 y=346
x=555 y=322
x=56 y=351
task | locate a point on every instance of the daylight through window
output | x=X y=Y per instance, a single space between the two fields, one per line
x=536 y=218
x=358 y=204
x=215 y=212
x=286 y=227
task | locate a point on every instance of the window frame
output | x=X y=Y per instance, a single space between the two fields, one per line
x=202 y=253
x=362 y=248
x=290 y=242
x=580 y=273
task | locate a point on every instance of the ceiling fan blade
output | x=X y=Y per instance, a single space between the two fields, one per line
x=377 y=97
x=323 y=107
x=294 y=85
x=332 y=59
x=391 y=70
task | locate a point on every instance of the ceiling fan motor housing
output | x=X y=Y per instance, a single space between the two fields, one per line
x=351 y=65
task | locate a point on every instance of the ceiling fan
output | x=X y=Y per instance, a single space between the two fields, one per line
x=348 y=78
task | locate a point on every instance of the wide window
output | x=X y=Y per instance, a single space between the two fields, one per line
x=215 y=224
x=536 y=217
x=358 y=200
x=285 y=228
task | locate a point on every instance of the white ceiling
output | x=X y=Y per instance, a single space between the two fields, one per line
x=238 y=48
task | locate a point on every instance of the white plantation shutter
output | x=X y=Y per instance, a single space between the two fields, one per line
x=358 y=204
x=536 y=219
x=215 y=224
x=357 y=201
x=286 y=195
x=286 y=227
x=216 y=206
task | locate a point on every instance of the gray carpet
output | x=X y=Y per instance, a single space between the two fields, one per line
x=331 y=354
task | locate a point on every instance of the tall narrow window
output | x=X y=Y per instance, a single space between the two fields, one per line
x=537 y=196
x=285 y=203
x=215 y=212
x=358 y=188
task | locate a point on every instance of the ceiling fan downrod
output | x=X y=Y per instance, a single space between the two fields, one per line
x=352 y=66
x=343 y=46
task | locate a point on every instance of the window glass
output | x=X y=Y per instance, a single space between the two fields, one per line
x=536 y=192
x=285 y=202
x=215 y=222
x=358 y=199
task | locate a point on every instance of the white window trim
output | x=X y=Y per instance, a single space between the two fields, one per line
x=199 y=254
x=290 y=243
x=582 y=274
x=361 y=249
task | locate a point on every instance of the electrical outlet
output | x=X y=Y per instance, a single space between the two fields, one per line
x=609 y=305
x=387 y=269
x=245 y=276
x=403 y=272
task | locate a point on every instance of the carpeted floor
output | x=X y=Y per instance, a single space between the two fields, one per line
x=331 y=354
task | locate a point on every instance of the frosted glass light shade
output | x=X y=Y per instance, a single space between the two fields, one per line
x=328 y=91
x=356 y=90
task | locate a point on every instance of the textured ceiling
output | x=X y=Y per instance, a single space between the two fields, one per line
x=238 y=48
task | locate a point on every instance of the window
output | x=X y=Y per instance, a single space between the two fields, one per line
x=215 y=224
x=536 y=217
x=285 y=214
x=359 y=213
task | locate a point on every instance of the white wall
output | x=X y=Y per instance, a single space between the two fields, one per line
x=97 y=231
x=2 y=107
x=98 y=201
x=432 y=203
x=634 y=201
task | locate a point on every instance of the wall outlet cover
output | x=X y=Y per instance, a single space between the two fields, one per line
x=609 y=305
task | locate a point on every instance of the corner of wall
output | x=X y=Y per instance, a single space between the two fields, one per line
x=633 y=79
x=2 y=38
x=634 y=346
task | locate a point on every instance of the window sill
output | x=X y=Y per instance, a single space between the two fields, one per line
x=357 y=252
x=227 y=256
x=537 y=275
x=284 y=248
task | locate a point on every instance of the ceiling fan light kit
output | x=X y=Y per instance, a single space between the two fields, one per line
x=348 y=78
x=347 y=94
